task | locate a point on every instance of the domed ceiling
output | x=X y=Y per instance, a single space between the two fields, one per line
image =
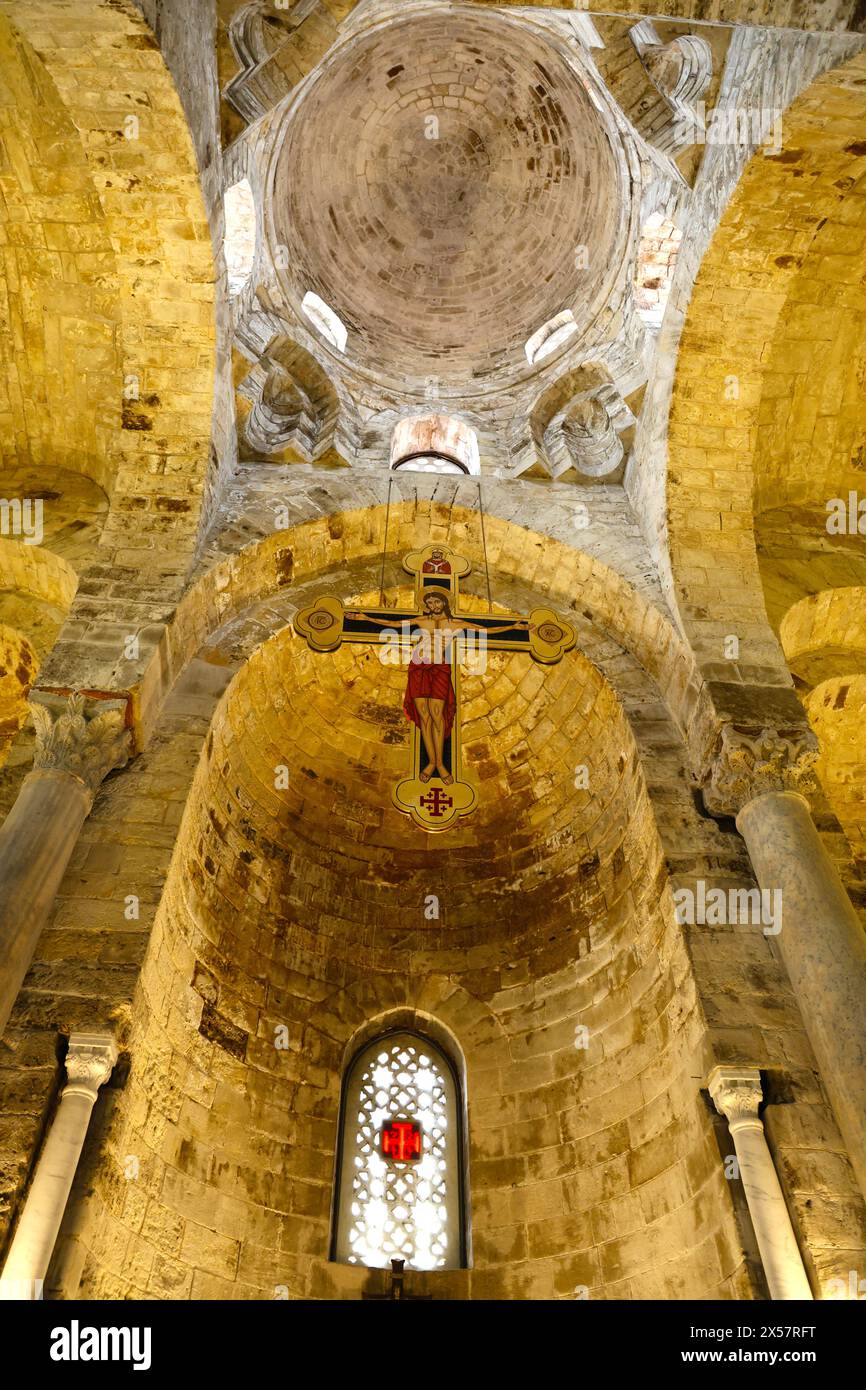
x=434 y=183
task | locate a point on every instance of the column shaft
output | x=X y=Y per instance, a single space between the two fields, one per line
x=36 y=841
x=89 y=1063
x=780 y=1255
x=737 y=1094
x=824 y=949
x=73 y=755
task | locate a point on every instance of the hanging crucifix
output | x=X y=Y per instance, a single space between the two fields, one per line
x=432 y=637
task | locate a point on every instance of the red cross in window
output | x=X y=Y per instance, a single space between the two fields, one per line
x=401 y=1141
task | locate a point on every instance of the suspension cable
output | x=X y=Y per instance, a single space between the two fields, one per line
x=484 y=544
x=382 y=603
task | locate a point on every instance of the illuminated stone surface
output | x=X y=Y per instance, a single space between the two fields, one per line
x=244 y=908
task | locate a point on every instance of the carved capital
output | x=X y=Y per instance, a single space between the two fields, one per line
x=89 y=1063
x=87 y=749
x=737 y=1094
x=749 y=763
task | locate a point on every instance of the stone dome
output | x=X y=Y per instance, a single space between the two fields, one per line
x=435 y=185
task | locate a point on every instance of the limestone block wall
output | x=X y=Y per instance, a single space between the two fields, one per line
x=186 y=32
x=719 y=413
x=62 y=371
x=88 y=964
x=210 y=1162
x=111 y=284
x=590 y=1167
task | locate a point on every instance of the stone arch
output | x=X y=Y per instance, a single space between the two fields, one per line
x=435 y=442
x=275 y=51
x=56 y=513
x=680 y=72
x=824 y=641
x=38 y=582
x=443 y=998
x=836 y=708
x=570 y=578
x=256 y=32
x=37 y=572
x=424 y=1020
x=782 y=246
x=825 y=635
x=136 y=267
x=236 y=1146
x=36 y=593
x=156 y=788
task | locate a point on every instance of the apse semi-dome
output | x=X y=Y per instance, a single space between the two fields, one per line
x=447 y=183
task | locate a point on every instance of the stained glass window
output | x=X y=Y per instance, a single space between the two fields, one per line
x=400 y=1183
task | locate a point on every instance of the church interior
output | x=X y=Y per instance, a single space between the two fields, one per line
x=432 y=650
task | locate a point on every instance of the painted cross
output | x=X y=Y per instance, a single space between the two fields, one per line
x=431 y=639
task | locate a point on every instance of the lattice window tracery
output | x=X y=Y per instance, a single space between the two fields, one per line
x=392 y=1209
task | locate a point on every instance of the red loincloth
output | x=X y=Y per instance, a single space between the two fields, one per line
x=431 y=680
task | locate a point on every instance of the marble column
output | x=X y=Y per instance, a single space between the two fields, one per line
x=737 y=1094
x=823 y=946
x=760 y=778
x=89 y=1062
x=73 y=755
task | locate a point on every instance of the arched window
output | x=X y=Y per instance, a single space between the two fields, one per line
x=329 y=324
x=239 y=242
x=550 y=336
x=434 y=444
x=400 y=1158
x=656 y=261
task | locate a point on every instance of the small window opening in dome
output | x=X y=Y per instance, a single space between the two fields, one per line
x=550 y=336
x=657 y=253
x=239 y=242
x=329 y=324
x=434 y=444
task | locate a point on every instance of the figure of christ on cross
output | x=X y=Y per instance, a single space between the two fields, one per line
x=430 y=700
x=437 y=791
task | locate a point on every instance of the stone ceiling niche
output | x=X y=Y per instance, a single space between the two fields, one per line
x=472 y=189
